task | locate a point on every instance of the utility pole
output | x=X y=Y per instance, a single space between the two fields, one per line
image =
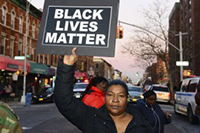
x=181 y=52
x=25 y=52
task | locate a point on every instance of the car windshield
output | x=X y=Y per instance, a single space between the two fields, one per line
x=135 y=88
x=160 y=88
x=49 y=90
x=76 y=86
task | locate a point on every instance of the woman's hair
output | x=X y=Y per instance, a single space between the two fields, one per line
x=148 y=93
x=93 y=82
x=118 y=82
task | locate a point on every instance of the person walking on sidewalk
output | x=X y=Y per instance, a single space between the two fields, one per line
x=197 y=100
x=29 y=90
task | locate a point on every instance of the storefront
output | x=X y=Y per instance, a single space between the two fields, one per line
x=41 y=75
x=8 y=66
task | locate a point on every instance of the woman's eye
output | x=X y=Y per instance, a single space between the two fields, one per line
x=122 y=96
x=109 y=94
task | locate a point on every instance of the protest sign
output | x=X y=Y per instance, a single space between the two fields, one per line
x=89 y=25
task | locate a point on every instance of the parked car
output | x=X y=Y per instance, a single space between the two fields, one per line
x=135 y=93
x=79 y=89
x=184 y=98
x=146 y=87
x=44 y=95
x=162 y=92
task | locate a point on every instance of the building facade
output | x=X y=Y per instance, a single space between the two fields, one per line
x=103 y=68
x=185 y=17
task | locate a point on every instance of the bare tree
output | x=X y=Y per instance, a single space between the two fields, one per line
x=146 y=47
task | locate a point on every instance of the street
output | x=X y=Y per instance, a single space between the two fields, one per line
x=45 y=118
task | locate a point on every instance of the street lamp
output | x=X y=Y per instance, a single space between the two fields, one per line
x=180 y=43
x=25 y=52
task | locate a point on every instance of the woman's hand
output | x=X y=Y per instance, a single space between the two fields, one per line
x=167 y=115
x=70 y=59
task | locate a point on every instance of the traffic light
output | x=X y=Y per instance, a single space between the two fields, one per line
x=120 y=32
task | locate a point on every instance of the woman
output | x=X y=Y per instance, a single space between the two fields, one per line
x=156 y=117
x=115 y=117
x=94 y=95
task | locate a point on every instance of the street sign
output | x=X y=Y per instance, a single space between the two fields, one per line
x=89 y=25
x=182 y=63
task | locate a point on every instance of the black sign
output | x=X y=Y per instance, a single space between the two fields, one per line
x=89 y=25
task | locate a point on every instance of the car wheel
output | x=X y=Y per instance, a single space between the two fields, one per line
x=191 y=117
x=175 y=108
x=52 y=99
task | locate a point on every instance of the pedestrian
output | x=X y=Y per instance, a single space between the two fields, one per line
x=116 y=116
x=197 y=100
x=9 y=121
x=94 y=94
x=28 y=95
x=8 y=89
x=155 y=115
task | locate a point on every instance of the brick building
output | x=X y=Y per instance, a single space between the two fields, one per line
x=185 y=17
x=13 y=25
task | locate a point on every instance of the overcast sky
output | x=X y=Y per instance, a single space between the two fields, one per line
x=130 y=12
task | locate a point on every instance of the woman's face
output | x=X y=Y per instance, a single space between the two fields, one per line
x=102 y=86
x=116 y=100
x=151 y=100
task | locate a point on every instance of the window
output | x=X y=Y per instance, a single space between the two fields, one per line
x=12 y=20
x=11 y=47
x=2 y=45
x=3 y=17
x=19 y=48
x=47 y=59
x=51 y=60
x=33 y=31
x=43 y=59
x=38 y=58
x=192 y=85
x=20 y=24
x=32 y=52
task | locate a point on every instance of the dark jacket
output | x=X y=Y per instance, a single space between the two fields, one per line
x=89 y=119
x=154 y=114
x=95 y=98
x=197 y=100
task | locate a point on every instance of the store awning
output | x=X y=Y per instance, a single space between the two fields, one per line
x=10 y=64
x=37 y=68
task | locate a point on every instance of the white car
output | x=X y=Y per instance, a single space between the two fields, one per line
x=184 y=98
x=79 y=89
x=162 y=92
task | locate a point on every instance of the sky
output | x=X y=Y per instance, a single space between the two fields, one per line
x=130 y=11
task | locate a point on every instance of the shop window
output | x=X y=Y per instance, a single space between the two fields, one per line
x=3 y=16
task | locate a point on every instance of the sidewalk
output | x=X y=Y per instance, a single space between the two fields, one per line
x=15 y=102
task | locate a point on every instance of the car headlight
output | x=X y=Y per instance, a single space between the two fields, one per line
x=34 y=96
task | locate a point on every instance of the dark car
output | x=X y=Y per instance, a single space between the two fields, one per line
x=135 y=93
x=45 y=95
x=79 y=89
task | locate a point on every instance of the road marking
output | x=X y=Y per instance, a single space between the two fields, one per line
x=26 y=128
